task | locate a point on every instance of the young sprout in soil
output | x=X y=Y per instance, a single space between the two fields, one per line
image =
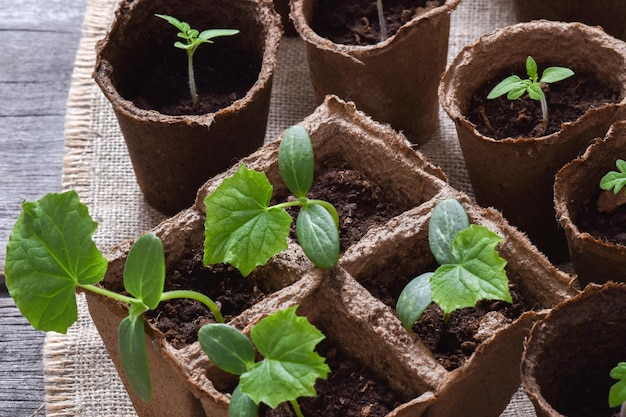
x=381 y=20
x=470 y=268
x=193 y=39
x=288 y=370
x=617 y=393
x=242 y=229
x=615 y=180
x=514 y=87
x=51 y=255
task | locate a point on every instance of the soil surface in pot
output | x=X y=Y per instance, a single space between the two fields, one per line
x=609 y=226
x=451 y=343
x=567 y=100
x=179 y=320
x=351 y=390
x=355 y=22
x=360 y=202
x=223 y=75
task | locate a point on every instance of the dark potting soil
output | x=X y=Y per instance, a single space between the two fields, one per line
x=180 y=319
x=360 y=202
x=567 y=100
x=351 y=390
x=355 y=22
x=223 y=75
x=451 y=343
x=609 y=226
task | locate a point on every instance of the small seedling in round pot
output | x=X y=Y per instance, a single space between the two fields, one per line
x=289 y=368
x=243 y=230
x=612 y=181
x=515 y=87
x=51 y=255
x=193 y=39
x=470 y=267
x=617 y=393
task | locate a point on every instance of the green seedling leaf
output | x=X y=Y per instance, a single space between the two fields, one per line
x=290 y=366
x=181 y=26
x=318 y=235
x=240 y=227
x=478 y=275
x=614 y=180
x=617 y=393
x=555 y=74
x=447 y=220
x=295 y=161
x=134 y=355
x=535 y=92
x=51 y=252
x=207 y=35
x=511 y=83
x=144 y=271
x=531 y=68
x=228 y=348
x=241 y=405
x=414 y=299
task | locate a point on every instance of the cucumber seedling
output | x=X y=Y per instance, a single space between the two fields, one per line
x=288 y=370
x=242 y=229
x=470 y=267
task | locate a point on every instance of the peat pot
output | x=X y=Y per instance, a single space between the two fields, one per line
x=394 y=81
x=176 y=146
x=594 y=235
x=609 y=14
x=516 y=174
x=568 y=357
x=184 y=381
x=477 y=367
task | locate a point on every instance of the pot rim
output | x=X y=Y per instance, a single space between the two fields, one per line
x=271 y=25
x=311 y=37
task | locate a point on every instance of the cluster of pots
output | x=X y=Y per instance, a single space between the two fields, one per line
x=363 y=103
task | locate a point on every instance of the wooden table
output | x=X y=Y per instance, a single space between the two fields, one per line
x=39 y=42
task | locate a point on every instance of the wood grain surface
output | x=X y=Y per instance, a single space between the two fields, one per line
x=39 y=40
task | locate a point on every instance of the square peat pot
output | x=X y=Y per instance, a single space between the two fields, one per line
x=478 y=371
x=184 y=381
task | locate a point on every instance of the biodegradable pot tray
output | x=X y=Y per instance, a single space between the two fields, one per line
x=337 y=131
x=578 y=185
x=173 y=155
x=609 y=14
x=569 y=354
x=483 y=385
x=389 y=80
x=516 y=175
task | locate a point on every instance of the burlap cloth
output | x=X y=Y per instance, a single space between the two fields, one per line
x=79 y=376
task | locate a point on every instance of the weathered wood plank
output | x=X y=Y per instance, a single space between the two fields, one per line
x=39 y=41
x=21 y=374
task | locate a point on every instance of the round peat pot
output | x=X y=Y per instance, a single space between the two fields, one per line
x=568 y=357
x=395 y=80
x=516 y=174
x=594 y=235
x=175 y=146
